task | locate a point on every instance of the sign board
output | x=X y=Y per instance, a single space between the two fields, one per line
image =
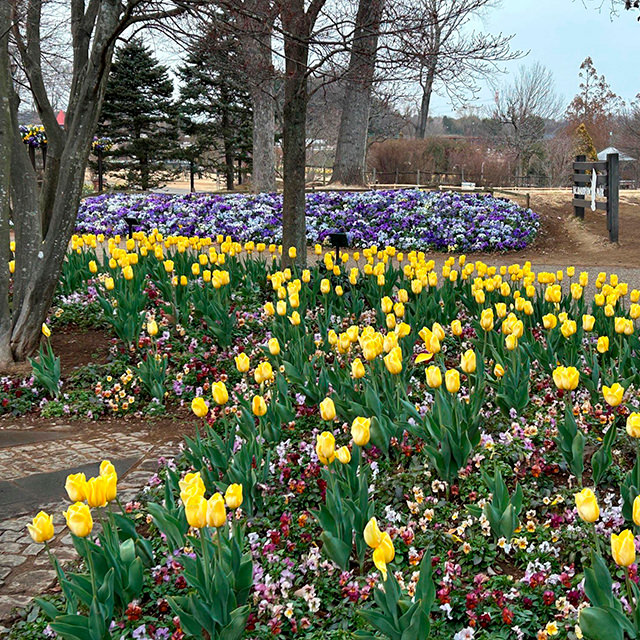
x=594 y=182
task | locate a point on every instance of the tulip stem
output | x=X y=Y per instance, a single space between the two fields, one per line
x=92 y=570
x=596 y=539
x=629 y=592
x=204 y=543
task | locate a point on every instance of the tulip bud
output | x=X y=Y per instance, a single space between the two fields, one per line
x=360 y=431
x=242 y=362
x=274 y=347
x=327 y=410
x=79 y=520
x=468 y=361
x=344 y=455
x=434 y=376
x=96 y=491
x=613 y=395
x=326 y=447
x=258 y=406
x=199 y=407
x=587 y=505
x=195 y=510
x=456 y=328
x=452 y=380
x=357 y=369
x=233 y=496
x=372 y=534
x=75 y=486
x=633 y=425
x=623 y=548
x=41 y=528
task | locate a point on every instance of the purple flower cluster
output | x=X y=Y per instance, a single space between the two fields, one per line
x=404 y=218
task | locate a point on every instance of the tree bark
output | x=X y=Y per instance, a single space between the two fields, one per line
x=351 y=148
x=427 y=90
x=256 y=24
x=6 y=137
x=296 y=28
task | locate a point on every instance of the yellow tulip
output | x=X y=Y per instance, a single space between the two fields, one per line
x=219 y=393
x=587 y=322
x=76 y=487
x=327 y=410
x=344 y=455
x=603 y=344
x=636 y=511
x=325 y=286
x=587 y=505
x=199 y=407
x=393 y=361
x=192 y=480
x=195 y=510
x=511 y=342
x=233 y=496
x=613 y=394
x=269 y=309
x=242 y=362
x=456 y=328
x=468 y=361
x=109 y=284
x=357 y=369
x=46 y=332
x=79 y=520
x=434 y=376
x=384 y=554
x=292 y=252
x=623 y=548
x=452 y=380
x=96 y=491
x=568 y=328
x=360 y=431
x=566 y=378
x=152 y=328
x=498 y=371
x=372 y=534
x=549 y=321
x=326 y=447
x=294 y=319
x=106 y=468
x=633 y=425
x=274 y=347
x=486 y=319
x=111 y=486
x=168 y=266
x=41 y=528
x=258 y=406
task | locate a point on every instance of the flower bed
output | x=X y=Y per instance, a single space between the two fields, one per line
x=406 y=219
x=384 y=449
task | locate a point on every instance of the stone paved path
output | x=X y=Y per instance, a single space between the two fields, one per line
x=34 y=463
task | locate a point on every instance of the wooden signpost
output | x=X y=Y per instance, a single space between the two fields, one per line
x=606 y=185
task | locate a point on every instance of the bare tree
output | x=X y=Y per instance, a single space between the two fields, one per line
x=522 y=109
x=432 y=40
x=351 y=148
x=44 y=217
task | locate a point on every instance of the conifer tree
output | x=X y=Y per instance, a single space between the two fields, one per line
x=584 y=144
x=140 y=117
x=215 y=106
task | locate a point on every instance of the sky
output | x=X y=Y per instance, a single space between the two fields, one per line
x=560 y=34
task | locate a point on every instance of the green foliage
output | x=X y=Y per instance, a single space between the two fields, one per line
x=503 y=510
x=152 y=370
x=398 y=617
x=220 y=576
x=46 y=369
x=571 y=441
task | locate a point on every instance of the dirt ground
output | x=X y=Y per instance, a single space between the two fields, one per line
x=566 y=240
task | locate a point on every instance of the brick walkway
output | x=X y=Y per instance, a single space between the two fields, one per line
x=34 y=463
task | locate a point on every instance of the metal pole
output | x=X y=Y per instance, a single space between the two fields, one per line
x=613 y=194
x=100 y=174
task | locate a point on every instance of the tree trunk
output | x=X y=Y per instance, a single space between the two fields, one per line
x=427 y=90
x=296 y=48
x=351 y=149
x=256 y=53
x=6 y=137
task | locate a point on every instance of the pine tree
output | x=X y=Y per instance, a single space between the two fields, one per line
x=215 y=107
x=584 y=144
x=140 y=117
